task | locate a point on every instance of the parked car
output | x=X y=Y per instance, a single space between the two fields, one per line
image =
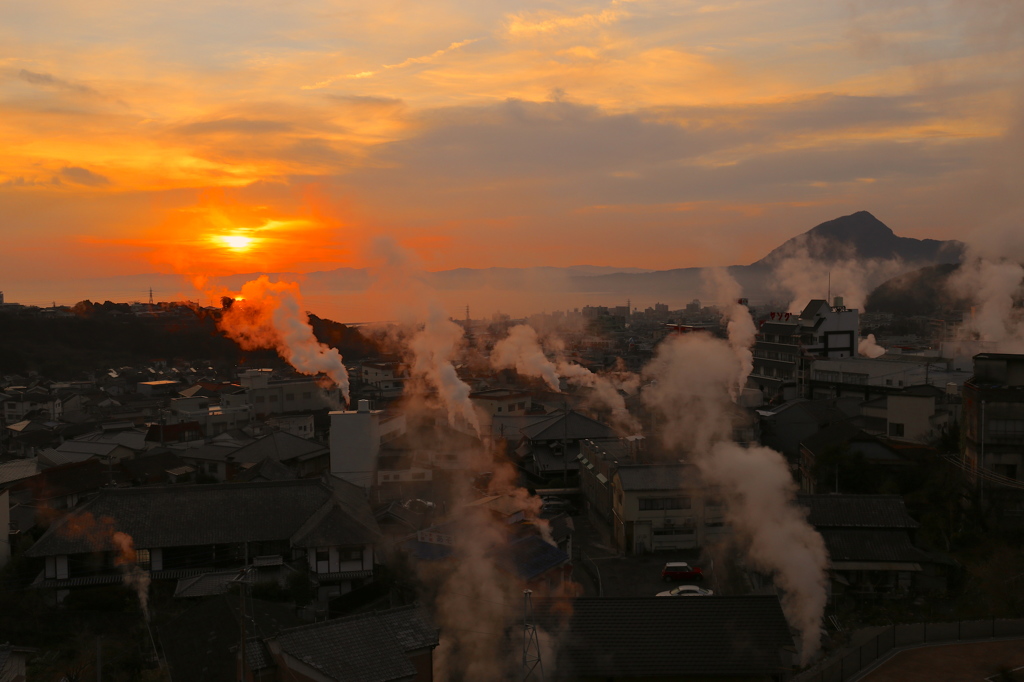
x=686 y=591
x=680 y=570
x=557 y=504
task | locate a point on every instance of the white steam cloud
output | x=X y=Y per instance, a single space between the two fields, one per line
x=433 y=349
x=739 y=323
x=522 y=350
x=268 y=314
x=869 y=348
x=803 y=278
x=691 y=377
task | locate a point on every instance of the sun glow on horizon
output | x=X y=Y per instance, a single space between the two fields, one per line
x=236 y=242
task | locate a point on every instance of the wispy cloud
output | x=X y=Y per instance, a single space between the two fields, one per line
x=525 y=25
x=83 y=176
x=411 y=61
x=50 y=81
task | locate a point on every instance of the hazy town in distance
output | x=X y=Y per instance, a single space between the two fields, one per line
x=533 y=341
x=250 y=491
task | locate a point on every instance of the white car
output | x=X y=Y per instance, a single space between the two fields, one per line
x=686 y=591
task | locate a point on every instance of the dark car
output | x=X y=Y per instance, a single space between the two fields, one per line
x=680 y=570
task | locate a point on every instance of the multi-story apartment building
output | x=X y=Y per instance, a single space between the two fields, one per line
x=787 y=343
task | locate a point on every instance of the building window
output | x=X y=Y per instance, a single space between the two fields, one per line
x=306 y=395
x=660 y=503
x=351 y=554
x=289 y=396
x=895 y=429
x=322 y=555
x=273 y=398
x=142 y=558
x=212 y=467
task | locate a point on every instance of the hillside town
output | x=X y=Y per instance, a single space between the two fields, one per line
x=177 y=520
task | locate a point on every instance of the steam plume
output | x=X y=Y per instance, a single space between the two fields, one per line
x=433 y=349
x=134 y=577
x=804 y=277
x=740 y=325
x=869 y=348
x=521 y=351
x=991 y=278
x=268 y=315
x=692 y=378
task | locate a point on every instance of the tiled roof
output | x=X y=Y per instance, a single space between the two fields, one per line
x=185 y=515
x=856 y=511
x=51 y=458
x=17 y=469
x=202 y=642
x=657 y=476
x=370 y=647
x=613 y=637
x=571 y=426
x=281 y=446
x=871 y=545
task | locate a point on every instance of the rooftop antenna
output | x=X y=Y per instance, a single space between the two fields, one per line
x=151 y=296
x=531 y=645
x=830 y=287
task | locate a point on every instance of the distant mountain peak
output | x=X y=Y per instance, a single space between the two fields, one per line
x=862 y=236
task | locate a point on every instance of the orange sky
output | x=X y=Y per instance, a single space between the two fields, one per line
x=215 y=137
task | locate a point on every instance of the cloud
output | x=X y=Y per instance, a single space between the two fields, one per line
x=424 y=59
x=534 y=24
x=47 y=80
x=235 y=125
x=83 y=176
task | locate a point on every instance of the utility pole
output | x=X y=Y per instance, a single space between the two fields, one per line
x=531 y=645
x=242 y=581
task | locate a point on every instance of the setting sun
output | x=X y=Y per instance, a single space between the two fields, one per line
x=236 y=242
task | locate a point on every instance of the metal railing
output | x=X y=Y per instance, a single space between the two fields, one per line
x=848 y=664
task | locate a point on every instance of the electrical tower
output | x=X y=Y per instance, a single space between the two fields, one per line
x=531 y=645
x=151 y=296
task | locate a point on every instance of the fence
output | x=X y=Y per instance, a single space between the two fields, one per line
x=849 y=664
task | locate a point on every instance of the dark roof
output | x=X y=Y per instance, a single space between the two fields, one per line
x=202 y=642
x=571 y=426
x=871 y=545
x=153 y=464
x=370 y=647
x=68 y=479
x=186 y=515
x=174 y=433
x=279 y=445
x=612 y=637
x=835 y=435
x=657 y=476
x=857 y=511
x=266 y=470
x=529 y=557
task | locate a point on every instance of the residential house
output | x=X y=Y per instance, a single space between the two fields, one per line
x=740 y=639
x=186 y=530
x=663 y=507
x=202 y=642
x=837 y=441
x=383 y=380
x=269 y=395
x=66 y=486
x=395 y=645
x=870 y=545
x=917 y=414
x=14 y=662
